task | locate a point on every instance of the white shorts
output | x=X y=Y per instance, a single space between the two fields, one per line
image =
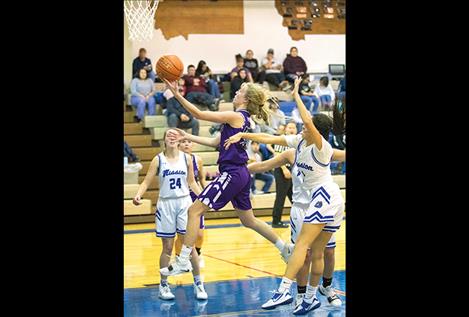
x=297 y=214
x=171 y=216
x=327 y=206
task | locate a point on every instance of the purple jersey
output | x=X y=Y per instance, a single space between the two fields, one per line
x=236 y=153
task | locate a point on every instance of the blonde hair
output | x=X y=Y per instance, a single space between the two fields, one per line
x=257 y=99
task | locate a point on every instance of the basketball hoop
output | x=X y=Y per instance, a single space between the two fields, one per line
x=140 y=16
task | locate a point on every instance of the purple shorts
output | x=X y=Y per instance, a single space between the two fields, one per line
x=202 y=218
x=233 y=185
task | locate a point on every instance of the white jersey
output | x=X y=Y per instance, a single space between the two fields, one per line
x=310 y=169
x=173 y=177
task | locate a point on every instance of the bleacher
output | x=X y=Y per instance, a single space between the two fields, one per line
x=144 y=138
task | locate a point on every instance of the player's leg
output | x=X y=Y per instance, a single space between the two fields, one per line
x=309 y=232
x=178 y=244
x=329 y=264
x=310 y=301
x=243 y=209
x=200 y=240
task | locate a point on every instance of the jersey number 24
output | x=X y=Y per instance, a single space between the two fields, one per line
x=173 y=182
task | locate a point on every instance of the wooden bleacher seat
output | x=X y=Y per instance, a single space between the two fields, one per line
x=154 y=183
x=138 y=140
x=209 y=158
x=225 y=106
x=133 y=128
x=147 y=153
x=144 y=209
x=155 y=121
x=130 y=190
x=202 y=148
x=210 y=168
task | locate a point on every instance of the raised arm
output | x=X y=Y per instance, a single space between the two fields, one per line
x=306 y=117
x=146 y=182
x=202 y=173
x=279 y=160
x=183 y=135
x=258 y=137
x=190 y=176
x=338 y=155
x=232 y=118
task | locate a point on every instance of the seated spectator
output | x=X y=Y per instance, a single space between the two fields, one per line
x=277 y=116
x=142 y=62
x=178 y=116
x=204 y=72
x=239 y=66
x=325 y=93
x=143 y=89
x=255 y=156
x=294 y=65
x=341 y=89
x=307 y=95
x=272 y=71
x=251 y=64
x=131 y=156
x=196 y=90
x=237 y=81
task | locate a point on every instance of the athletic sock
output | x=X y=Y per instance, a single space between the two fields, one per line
x=280 y=245
x=310 y=292
x=185 y=253
x=285 y=285
x=197 y=280
x=326 y=281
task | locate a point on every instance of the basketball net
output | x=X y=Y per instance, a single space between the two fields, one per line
x=140 y=16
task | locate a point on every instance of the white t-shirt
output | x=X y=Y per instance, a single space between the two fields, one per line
x=311 y=168
x=322 y=91
x=275 y=63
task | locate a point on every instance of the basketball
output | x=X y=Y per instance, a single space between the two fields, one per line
x=169 y=67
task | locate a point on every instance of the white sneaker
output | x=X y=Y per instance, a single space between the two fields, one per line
x=278 y=299
x=165 y=292
x=299 y=299
x=287 y=252
x=201 y=261
x=306 y=306
x=178 y=267
x=331 y=295
x=258 y=192
x=200 y=292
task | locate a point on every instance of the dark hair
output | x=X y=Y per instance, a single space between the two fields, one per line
x=324 y=80
x=249 y=51
x=338 y=115
x=323 y=123
x=138 y=73
x=245 y=70
x=239 y=57
x=304 y=76
x=142 y=50
x=199 y=70
x=293 y=47
x=291 y=121
x=190 y=66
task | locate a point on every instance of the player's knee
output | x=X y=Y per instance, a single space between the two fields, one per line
x=329 y=253
x=196 y=210
x=248 y=222
x=317 y=255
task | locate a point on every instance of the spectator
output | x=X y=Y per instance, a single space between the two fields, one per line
x=272 y=71
x=178 y=116
x=196 y=90
x=132 y=157
x=294 y=65
x=277 y=116
x=341 y=89
x=237 y=81
x=204 y=72
x=142 y=62
x=283 y=182
x=307 y=95
x=251 y=64
x=325 y=93
x=266 y=177
x=338 y=123
x=143 y=89
x=239 y=66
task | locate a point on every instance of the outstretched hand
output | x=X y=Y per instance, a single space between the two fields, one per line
x=176 y=134
x=297 y=84
x=233 y=139
x=173 y=86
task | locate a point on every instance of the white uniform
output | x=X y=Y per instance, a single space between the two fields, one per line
x=316 y=198
x=174 y=199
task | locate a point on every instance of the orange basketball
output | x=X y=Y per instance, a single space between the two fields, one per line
x=169 y=67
